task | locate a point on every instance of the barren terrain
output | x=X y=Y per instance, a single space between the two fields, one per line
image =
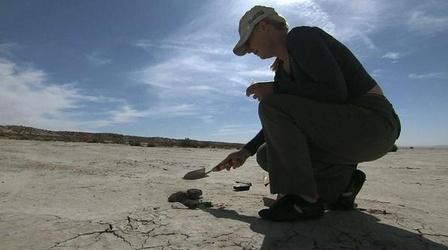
x=66 y=195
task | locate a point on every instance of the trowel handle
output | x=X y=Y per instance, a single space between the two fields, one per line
x=211 y=170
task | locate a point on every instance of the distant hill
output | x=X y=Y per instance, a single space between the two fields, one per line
x=29 y=133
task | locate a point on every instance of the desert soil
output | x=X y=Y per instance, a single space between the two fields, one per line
x=60 y=195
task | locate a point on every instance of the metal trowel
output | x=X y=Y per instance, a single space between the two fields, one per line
x=198 y=174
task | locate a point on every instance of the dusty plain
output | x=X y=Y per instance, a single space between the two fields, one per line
x=64 y=195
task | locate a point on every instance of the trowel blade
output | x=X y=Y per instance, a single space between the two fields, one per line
x=195 y=174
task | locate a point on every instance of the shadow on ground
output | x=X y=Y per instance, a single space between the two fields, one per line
x=336 y=230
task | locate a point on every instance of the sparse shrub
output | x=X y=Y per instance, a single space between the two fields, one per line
x=187 y=143
x=135 y=143
x=23 y=137
x=94 y=140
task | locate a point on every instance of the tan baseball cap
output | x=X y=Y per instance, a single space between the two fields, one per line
x=248 y=22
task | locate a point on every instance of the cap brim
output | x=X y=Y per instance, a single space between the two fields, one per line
x=240 y=48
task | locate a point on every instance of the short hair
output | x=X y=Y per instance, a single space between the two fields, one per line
x=277 y=23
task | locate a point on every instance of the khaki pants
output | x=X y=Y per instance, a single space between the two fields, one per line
x=312 y=147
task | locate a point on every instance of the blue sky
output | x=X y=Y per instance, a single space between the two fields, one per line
x=166 y=68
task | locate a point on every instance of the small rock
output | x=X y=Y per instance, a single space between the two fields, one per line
x=191 y=204
x=190 y=198
x=241 y=187
x=205 y=204
x=178 y=197
x=194 y=193
x=178 y=205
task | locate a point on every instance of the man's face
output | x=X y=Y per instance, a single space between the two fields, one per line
x=259 y=42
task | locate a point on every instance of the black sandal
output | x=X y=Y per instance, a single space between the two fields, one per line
x=347 y=199
x=292 y=208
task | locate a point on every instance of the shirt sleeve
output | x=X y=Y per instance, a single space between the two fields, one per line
x=253 y=145
x=308 y=49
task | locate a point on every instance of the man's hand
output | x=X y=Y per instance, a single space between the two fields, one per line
x=235 y=160
x=260 y=90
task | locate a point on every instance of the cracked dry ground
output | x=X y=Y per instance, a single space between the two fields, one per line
x=56 y=195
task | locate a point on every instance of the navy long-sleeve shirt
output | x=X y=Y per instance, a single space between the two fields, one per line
x=321 y=68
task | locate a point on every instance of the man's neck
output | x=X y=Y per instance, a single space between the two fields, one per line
x=281 y=51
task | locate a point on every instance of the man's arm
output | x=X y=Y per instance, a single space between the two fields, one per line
x=253 y=145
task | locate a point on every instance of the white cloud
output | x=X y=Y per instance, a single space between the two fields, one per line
x=164 y=111
x=188 y=78
x=257 y=73
x=377 y=72
x=207 y=118
x=181 y=46
x=7 y=47
x=348 y=21
x=426 y=75
x=288 y=2
x=96 y=58
x=392 y=55
x=25 y=97
x=125 y=114
x=236 y=129
x=423 y=22
x=235 y=132
x=306 y=13
x=28 y=98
